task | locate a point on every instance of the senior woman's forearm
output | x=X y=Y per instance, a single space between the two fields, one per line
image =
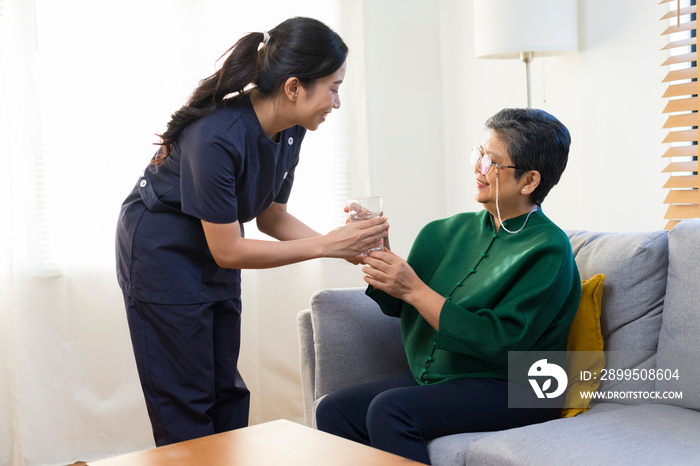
x=427 y=302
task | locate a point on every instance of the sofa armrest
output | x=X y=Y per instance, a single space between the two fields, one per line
x=345 y=340
x=307 y=360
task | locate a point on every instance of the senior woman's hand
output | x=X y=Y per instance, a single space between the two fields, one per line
x=388 y=272
x=391 y=274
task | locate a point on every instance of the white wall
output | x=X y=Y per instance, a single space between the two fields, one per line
x=405 y=114
x=428 y=97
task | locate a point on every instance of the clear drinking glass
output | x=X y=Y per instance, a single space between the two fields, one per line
x=365 y=208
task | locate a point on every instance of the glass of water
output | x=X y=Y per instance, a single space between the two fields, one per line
x=365 y=208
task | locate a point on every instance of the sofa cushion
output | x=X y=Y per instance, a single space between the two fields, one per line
x=679 y=340
x=635 y=266
x=640 y=435
x=451 y=450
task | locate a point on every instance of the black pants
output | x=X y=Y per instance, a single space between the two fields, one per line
x=399 y=416
x=187 y=357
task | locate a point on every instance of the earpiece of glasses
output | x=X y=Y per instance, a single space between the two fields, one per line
x=484 y=161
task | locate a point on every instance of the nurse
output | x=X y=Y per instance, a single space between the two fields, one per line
x=227 y=157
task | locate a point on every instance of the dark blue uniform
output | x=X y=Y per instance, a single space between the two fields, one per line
x=183 y=309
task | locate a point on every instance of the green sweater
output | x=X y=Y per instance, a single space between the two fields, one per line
x=505 y=292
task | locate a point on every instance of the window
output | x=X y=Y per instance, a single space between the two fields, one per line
x=683 y=197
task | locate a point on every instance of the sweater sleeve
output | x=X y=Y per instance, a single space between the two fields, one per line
x=541 y=289
x=387 y=303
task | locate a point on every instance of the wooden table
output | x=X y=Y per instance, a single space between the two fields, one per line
x=279 y=442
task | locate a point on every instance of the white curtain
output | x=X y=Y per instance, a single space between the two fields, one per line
x=85 y=85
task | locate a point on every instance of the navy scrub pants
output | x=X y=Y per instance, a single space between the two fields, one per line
x=187 y=357
x=399 y=416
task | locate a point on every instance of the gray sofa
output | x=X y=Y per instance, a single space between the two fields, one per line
x=651 y=306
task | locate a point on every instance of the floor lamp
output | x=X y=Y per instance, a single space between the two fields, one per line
x=524 y=29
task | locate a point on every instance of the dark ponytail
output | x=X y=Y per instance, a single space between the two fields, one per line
x=304 y=48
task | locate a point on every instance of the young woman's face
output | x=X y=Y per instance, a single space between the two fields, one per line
x=316 y=103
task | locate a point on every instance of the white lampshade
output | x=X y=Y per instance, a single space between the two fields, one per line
x=505 y=28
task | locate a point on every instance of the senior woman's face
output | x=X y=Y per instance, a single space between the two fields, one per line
x=510 y=196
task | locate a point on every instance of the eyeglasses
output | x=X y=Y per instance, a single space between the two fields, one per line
x=486 y=161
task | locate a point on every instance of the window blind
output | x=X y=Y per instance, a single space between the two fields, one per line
x=683 y=197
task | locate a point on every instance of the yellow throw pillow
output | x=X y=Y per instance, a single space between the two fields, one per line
x=584 y=347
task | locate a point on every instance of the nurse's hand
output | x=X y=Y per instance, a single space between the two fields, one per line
x=356 y=260
x=353 y=239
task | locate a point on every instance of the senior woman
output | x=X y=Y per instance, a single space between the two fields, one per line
x=475 y=286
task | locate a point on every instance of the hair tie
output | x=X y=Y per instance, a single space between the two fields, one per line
x=266 y=37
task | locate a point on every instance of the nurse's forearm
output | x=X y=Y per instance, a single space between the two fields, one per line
x=261 y=254
x=230 y=250
x=275 y=221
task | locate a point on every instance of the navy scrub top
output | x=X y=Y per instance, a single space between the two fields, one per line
x=222 y=169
